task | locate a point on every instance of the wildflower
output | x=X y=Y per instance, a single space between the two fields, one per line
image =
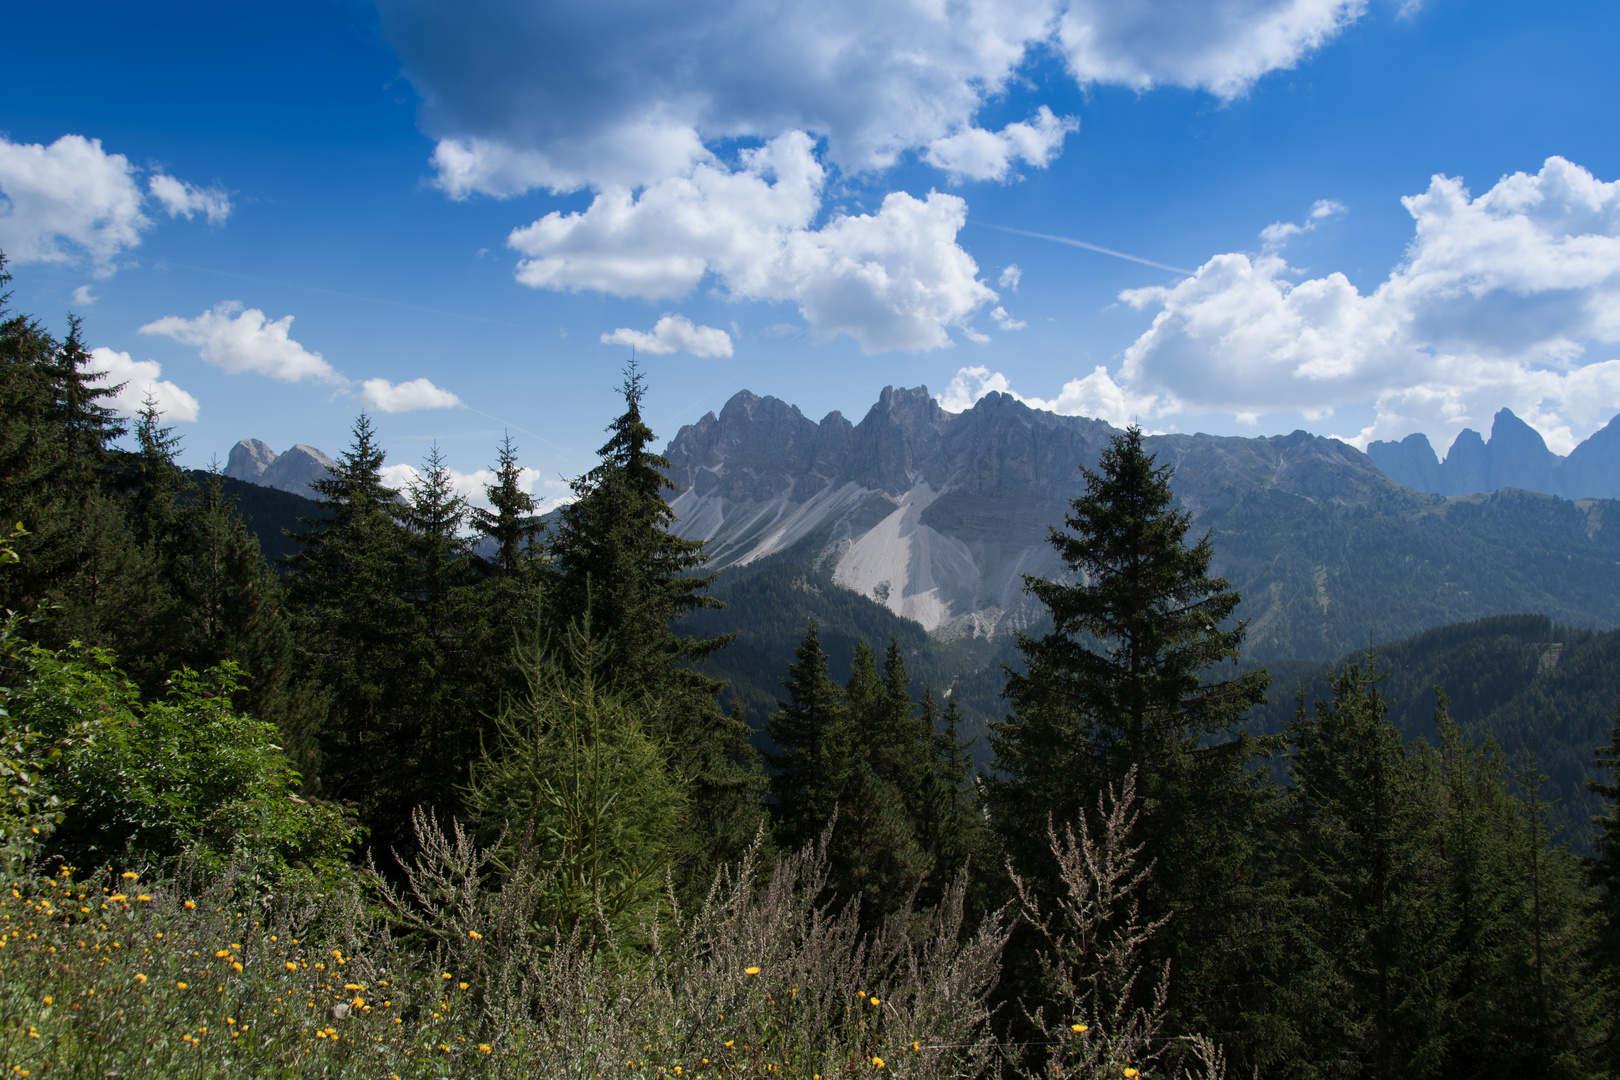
x=1130 y=1073
x=875 y=1003
x=447 y=975
x=237 y=964
x=291 y=966
x=223 y=952
x=353 y=986
x=190 y=904
x=750 y=971
x=47 y=999
x=140 y=978
x=143 y=898
x=118 y=896
x=180 y=986
x=475 y=935
x=485 y=1048
x=129 y=875
x=462 y=985
x=916 y=1047
x=878 y=1062
x=1079 y=1029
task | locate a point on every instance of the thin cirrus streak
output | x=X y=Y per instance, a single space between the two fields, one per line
x=1083 y=244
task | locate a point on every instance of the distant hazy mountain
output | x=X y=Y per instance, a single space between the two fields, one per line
x=1515 y=457
x=936 y=517
x=253 y=461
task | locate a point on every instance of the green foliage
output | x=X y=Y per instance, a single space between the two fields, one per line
x=132 y=783
x=1118 y=686
x=575 y=782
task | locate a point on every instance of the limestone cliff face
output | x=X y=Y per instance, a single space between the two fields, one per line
x=937 y=515
x=294 y=471
x=1516 y=456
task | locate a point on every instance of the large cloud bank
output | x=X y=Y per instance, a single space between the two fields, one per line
x=1508 y=298
x=636 y=102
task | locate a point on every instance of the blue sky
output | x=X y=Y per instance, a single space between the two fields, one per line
x=455 y=203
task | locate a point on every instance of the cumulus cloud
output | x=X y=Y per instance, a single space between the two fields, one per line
x=673 y=333
x=1222 y=48
x=72 y=201
x=523 y=94
x=1010 y=277
x=1096 y=395
x=83 y=296
x=895 y=279
x=181 y=199
x=1499 y=301
x=412 y=396
x=140 y=379
x=240 y=339
x=1006 y=321
x=977 y=154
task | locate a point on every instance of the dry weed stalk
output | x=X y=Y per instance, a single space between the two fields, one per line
x=1103 y=1023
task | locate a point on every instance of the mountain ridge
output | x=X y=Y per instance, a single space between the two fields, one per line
x=1516 y=456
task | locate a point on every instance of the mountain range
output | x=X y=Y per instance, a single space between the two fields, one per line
x=937 y=516
x=1516 y=456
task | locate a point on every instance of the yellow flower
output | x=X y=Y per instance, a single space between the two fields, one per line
x=47 y=999
x=237 y=964
x=143 y=898
x=878 y=1062
x=447 y=975
x=475 y=935
x=462 y=985
x=1079 y=1029
x=1130 y=1073
x=916 y=1047
x=191 y=904
x=118 y=896
x=223 y=952
x=140 y=978
x=291 y=966
x=875 y=1002
x=750 y=971
x=180 y=985
x=129 y=875
x=485 y=1048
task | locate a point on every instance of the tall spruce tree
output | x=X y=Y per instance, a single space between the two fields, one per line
x=814 y=746
x=615 y=557
x=1128 y=678
x=351 y=587
x=512 y=525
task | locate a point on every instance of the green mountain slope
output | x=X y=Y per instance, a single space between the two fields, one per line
x=266 y=511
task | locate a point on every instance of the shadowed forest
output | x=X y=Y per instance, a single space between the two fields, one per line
x=454 y=791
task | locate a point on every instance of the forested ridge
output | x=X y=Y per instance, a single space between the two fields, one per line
x=458 y=791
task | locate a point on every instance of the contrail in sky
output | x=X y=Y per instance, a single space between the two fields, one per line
x=1088 y=247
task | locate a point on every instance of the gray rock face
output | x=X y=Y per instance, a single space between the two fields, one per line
x=938 y=516
x=294 y=470
x=1515 y=457
x=249 y=458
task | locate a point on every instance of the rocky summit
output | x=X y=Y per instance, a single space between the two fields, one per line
x=937 y=516
x=253 y=461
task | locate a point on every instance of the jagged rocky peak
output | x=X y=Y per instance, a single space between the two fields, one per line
x=1516 y=456
x=938 y=515
x=248 y=460
x=252 y=460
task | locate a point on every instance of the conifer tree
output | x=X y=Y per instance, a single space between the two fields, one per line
x=1603 y=873
x=1363 y=988
x=615 y=556
x=814 y=746
x=512 y=525
x=351 y=586
x=1120 y=683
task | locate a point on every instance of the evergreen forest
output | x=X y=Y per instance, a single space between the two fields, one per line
x=388 y=784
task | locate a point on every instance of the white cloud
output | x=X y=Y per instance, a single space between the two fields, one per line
x=141 y=379
x=72 y=201
x=409 y=396
x=673 y=333
x=1006 y=321
x=977 y=154
x=543 y=93
x=895 y=279
x=1278 y=233
x=240 y=339
x=1497 y=302
x=83 y=296
x=1010 y=277
x=1096 y=395
x=1222 y=48
x=181 y=199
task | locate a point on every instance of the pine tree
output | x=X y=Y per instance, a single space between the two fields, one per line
x=1363 y=980
x=351 y=585
x=1603 y=872
x=810 y=769
x=1120 y=683
x=512 y=525
x=615 y=556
